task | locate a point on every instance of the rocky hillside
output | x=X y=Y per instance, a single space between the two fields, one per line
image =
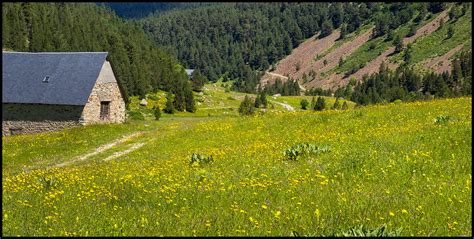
x=331 y=62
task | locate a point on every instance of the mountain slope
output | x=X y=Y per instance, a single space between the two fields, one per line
x=229 y=39
x=361 y=53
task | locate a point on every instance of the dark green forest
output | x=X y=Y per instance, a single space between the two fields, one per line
x=134 y=10
x=231 y=39
x=139 y=66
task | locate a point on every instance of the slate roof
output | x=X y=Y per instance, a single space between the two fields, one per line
x=72 y=76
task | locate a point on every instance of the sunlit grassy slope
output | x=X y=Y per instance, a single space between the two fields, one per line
x=216 y=100
x=406 y=165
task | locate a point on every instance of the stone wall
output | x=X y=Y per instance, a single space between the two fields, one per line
x=36 y=118
x=105 y=89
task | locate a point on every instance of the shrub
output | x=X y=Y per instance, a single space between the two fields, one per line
x=199 y=160
x=320 y=104
x=157 y=112
x=304 y=104
x=372 y=45
x=135 y=115
x=230 y=98
x=303 y=149
x=246 y=107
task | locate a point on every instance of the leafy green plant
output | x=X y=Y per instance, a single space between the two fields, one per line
x=303 y=149
x=48 y=182
x=359 y=231
x=358 y=114
x=362 y=231
x=441 y=119
x=198 y=160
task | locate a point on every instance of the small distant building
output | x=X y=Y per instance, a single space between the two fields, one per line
x=189 y=72
x=54 y=90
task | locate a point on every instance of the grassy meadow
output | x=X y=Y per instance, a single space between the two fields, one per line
x=216 y=100
x=407 y=166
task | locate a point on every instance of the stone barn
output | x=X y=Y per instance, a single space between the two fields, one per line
x=51 y=91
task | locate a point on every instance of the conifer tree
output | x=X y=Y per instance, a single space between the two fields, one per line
x=246 y=107
x=320 y=104
x=263 y=99
x=190 y=102
x=304 y=104
x=398 y=43
x=169 y=107
x=450 y=31
x=258 y=102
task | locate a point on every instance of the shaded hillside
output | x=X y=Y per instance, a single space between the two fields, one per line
x=138 y=64
x=231 y=39
x=143 y=9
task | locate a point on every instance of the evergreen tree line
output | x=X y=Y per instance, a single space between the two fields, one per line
x=135 y=10
x=289 y=87
x=406 y=84
x=248 y=108
x=230 y=40
x=319 y=104
x=139 y=66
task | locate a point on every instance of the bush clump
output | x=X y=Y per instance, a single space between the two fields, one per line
x=136 y=115
x=198 y=160
x=303 y=149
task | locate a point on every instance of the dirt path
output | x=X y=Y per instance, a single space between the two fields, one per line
x=270 y=78
x=277 y=75
x=442 y=63
x=121 y=153
x=98 y=150
x=286 y=106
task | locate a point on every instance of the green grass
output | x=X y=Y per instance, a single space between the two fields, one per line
x=388 y=165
